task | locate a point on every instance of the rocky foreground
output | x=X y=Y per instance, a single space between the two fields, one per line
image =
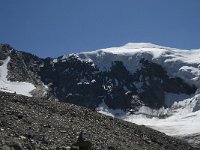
x=61 y=123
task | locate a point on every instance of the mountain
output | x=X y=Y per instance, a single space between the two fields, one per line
x=61 y=123
x=139 y=82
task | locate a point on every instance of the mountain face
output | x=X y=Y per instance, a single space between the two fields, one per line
x=81 y=82
x=138 y=79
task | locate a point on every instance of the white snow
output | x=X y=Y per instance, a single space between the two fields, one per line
x=93 y=81
x=103 y=108
x=133 y=48
x=179 y=120
x=177 y=62
x=55 y=60
x=176 y=125
x=22 y=88
x=64 y=56
x=83 y=81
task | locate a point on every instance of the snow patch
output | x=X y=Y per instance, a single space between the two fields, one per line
x=103 y=109
x=55 y=60
x=22 y=88
x=179 y=120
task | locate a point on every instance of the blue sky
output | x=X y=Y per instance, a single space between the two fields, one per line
x=56 y=27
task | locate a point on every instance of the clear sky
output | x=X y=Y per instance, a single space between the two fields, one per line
x=56 y=27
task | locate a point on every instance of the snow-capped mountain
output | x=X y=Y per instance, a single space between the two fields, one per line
x=139 y=82
x=182 y=116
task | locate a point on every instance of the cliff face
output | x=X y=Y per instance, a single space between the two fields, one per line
x=81 y=83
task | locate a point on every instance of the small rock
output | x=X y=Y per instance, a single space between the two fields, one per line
x=75 y=147
x=111 y=148
x=47 y=126
x=65 y=148
x=63 y=131
x=17 y=146
x=20 y=116
x=22 y=137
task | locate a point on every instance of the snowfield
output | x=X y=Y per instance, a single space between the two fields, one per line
x=177 y=62
x=22 y=88
x=181 y=120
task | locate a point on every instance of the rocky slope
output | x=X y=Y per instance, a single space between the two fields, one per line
x=61 y=123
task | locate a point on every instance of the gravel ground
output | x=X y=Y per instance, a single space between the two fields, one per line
x=62 y=123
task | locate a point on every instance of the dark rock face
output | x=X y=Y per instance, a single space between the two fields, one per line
x=82 y=83
x=4 y=51
x=71 y=81
x=24 y=67
x=61 y=123
x=156 y=82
